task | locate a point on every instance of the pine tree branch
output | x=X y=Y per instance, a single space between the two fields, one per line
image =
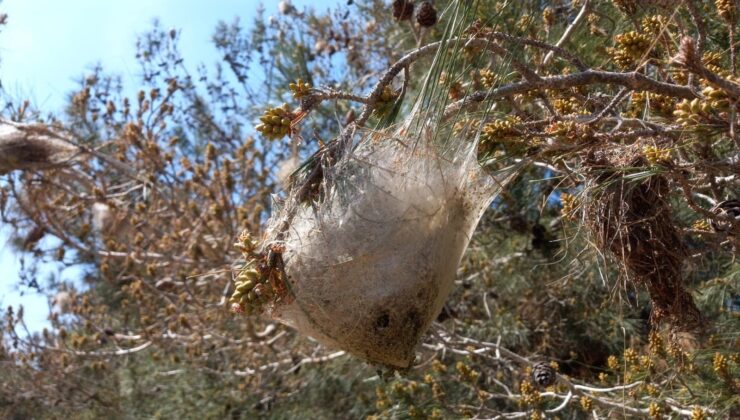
x=631 y=80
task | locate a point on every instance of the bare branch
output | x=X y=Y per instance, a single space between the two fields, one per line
x=631 y=80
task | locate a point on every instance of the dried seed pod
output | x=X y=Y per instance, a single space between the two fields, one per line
x=403 y=9
x=543 y=374
x=426 y=14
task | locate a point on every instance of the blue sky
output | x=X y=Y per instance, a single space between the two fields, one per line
x=48 y=44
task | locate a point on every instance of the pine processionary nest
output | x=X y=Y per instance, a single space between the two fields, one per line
x=369 y=266
x=631 y=218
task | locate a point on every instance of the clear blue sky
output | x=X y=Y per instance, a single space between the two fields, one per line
x=48 y=44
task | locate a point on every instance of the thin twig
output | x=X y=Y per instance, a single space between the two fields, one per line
x=568 y=31
x=563 y=53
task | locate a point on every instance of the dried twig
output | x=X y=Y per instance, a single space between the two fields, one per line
x=568 y=31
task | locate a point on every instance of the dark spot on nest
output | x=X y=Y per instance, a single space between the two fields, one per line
x=382 y=322
x=413 y=321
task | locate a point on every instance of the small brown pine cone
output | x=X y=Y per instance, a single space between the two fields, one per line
x=729 y=208
x=403 y=9
x=426 y=14
x=349 y=117
x=543 y=375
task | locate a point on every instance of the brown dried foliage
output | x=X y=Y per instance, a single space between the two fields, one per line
x=633 y=221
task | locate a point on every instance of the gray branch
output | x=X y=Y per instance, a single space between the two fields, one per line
x=632 y=80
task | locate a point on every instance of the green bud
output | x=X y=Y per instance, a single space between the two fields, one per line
x=245 y=286
x=695 y=106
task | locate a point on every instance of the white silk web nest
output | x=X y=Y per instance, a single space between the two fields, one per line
x=368 y=268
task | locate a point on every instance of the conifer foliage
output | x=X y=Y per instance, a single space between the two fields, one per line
x=603 y=281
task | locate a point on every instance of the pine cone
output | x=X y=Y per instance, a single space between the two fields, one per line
x=730 y=208
x=426 y=14
x=543 y=374
x=403 y=9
